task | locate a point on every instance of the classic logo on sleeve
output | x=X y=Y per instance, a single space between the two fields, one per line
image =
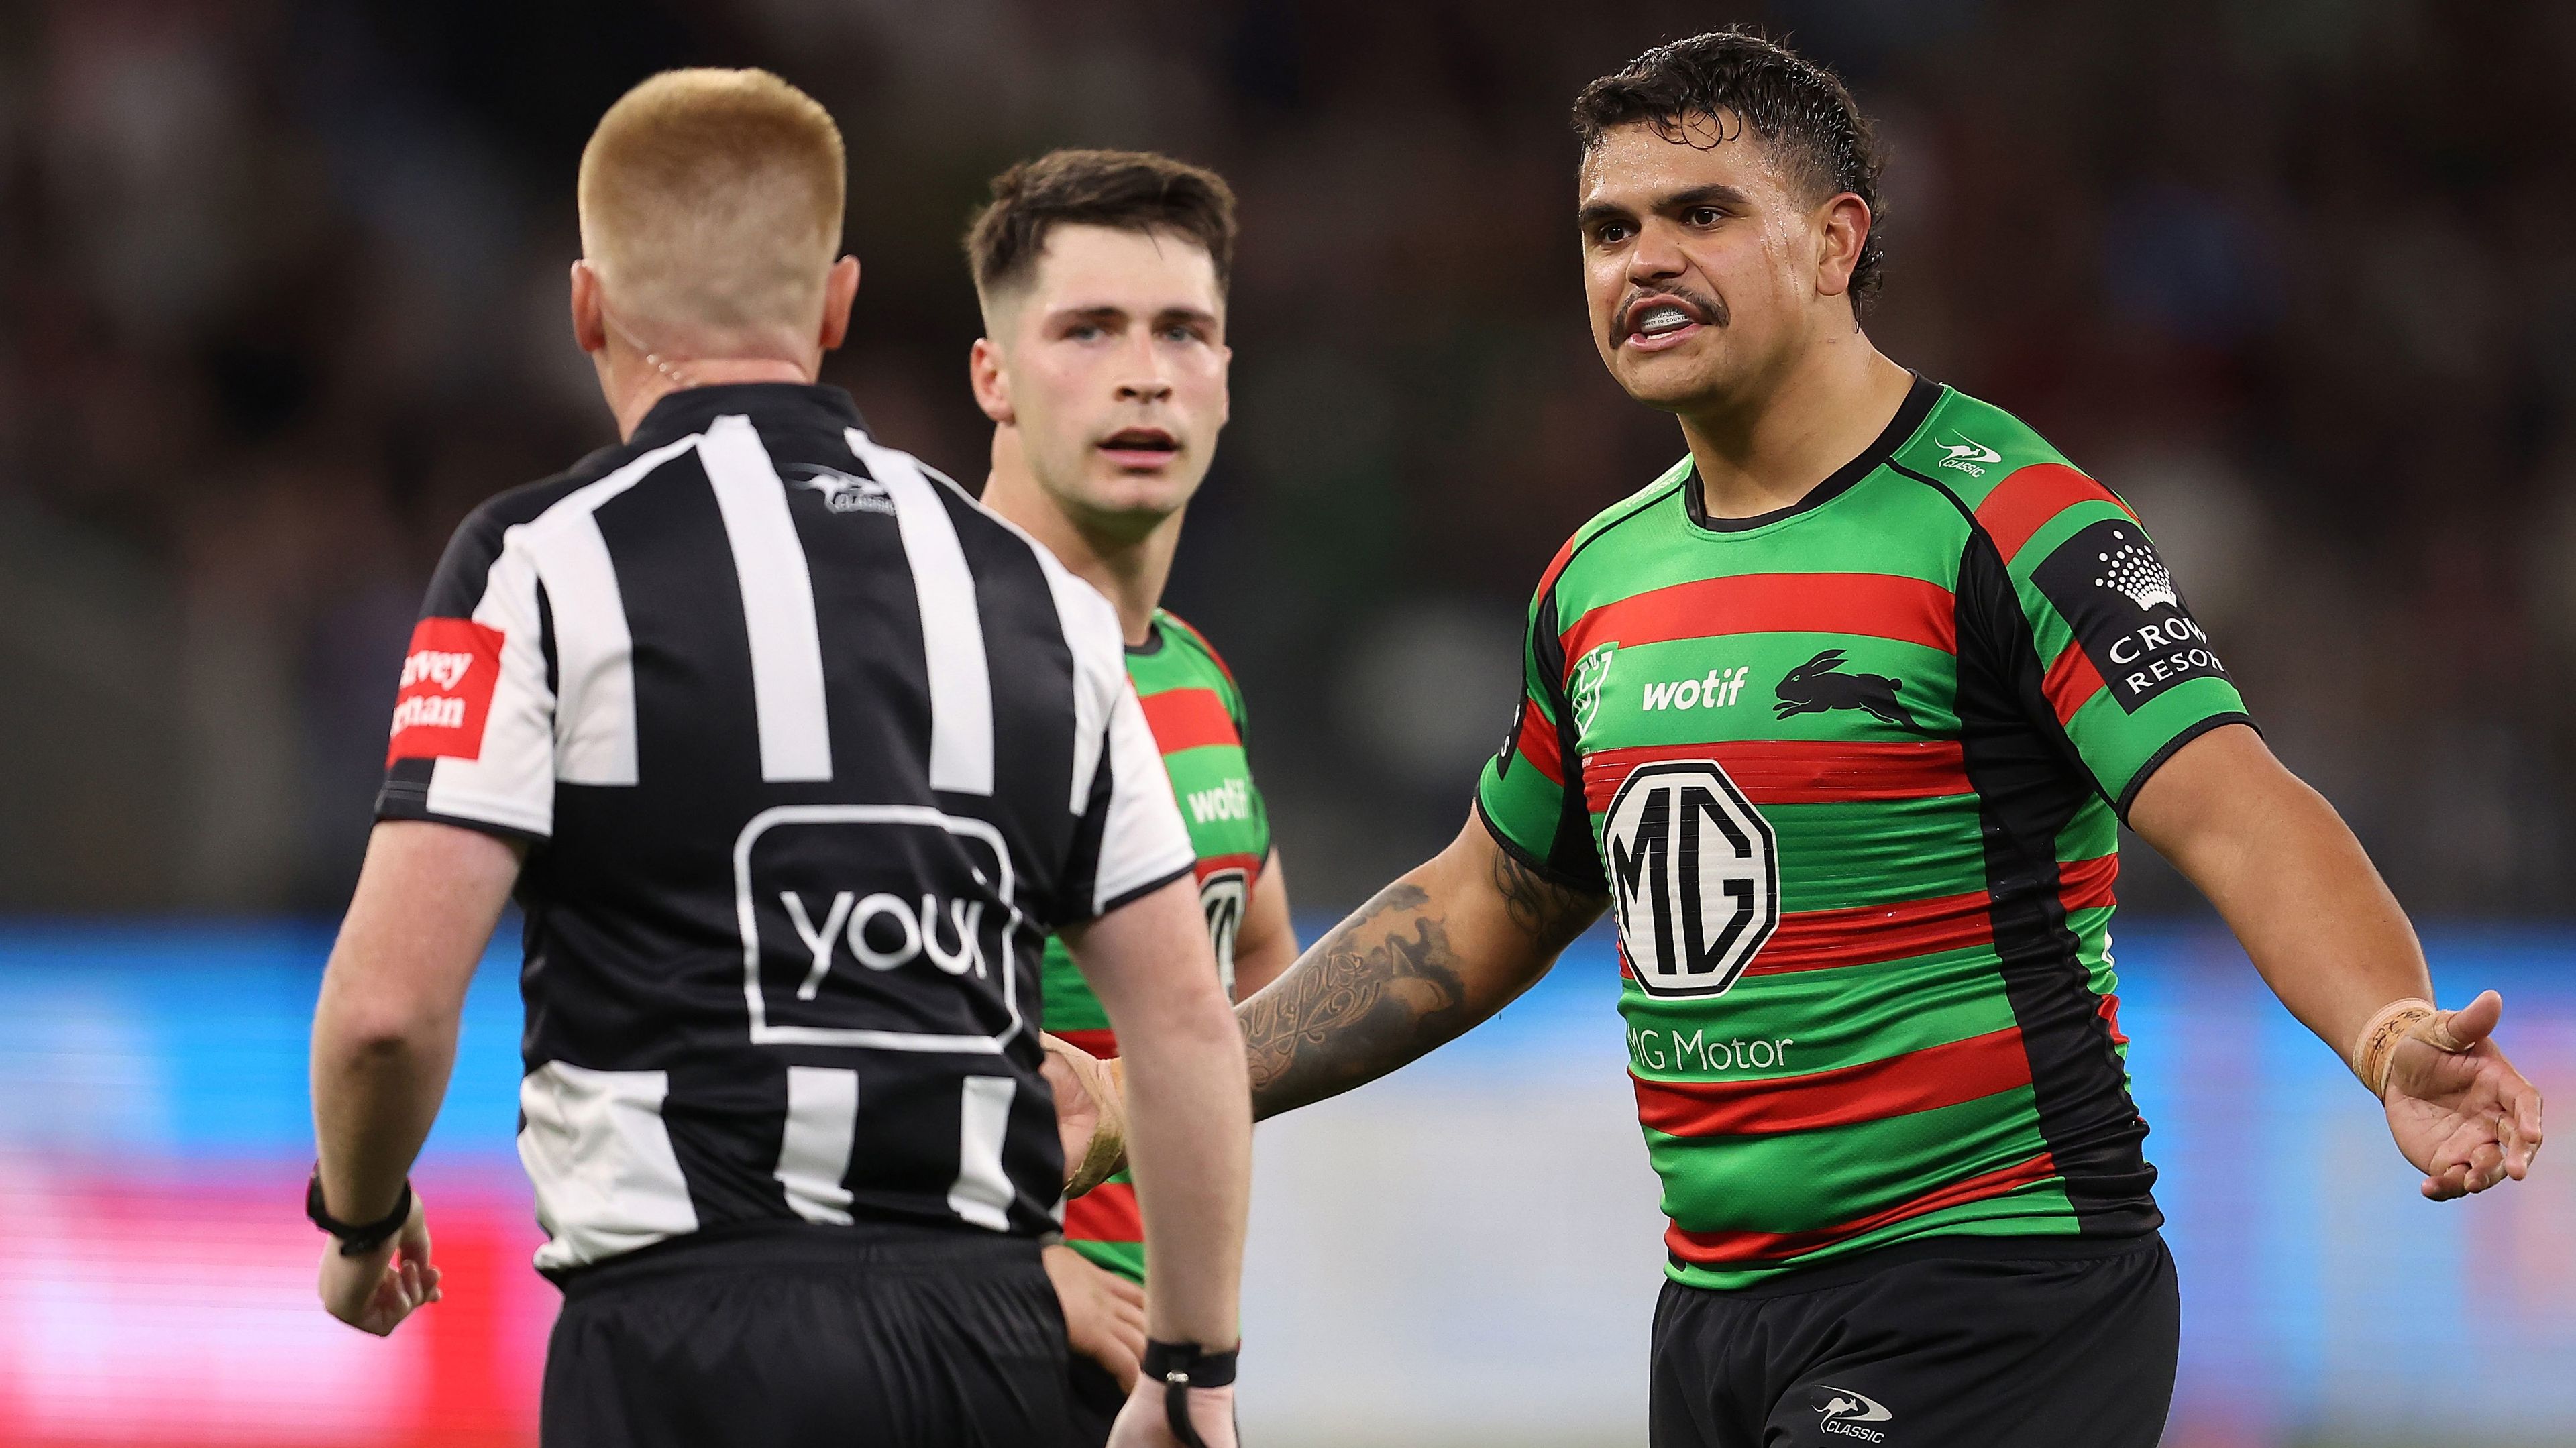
x=2120 y=599
x=447 y=680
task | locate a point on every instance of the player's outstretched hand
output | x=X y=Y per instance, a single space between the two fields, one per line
x=1146 y=1420
x=375 y=1291
x=1104 y=1313
x=1090 y=1114
x=2459 y=1110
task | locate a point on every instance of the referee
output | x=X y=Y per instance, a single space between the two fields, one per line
x=793 y=756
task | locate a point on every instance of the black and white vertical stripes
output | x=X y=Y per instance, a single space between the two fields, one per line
x=811 y=752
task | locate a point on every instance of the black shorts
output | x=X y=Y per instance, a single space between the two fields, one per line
x=906 y=1337
x=1967 y=1343
x=1095 y=1401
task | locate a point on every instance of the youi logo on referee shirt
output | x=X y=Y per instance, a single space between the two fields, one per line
x=842 y=492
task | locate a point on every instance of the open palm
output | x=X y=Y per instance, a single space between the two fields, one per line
x=2458 y=1109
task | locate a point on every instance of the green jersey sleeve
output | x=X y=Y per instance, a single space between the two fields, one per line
x=2128 y=673
x=1531 y=794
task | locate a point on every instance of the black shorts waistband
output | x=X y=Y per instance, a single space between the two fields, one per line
x=1933 y=1249
x=864 y=1246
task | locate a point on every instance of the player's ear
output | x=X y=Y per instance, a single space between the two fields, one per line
x=991 y=384
x=589 y=324
x=1842 y=229
x=840 y=289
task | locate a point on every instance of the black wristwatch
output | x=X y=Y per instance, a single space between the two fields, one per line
x=357 y=1239
x=1181 y=1366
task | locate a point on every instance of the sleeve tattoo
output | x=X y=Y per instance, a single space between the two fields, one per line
x=1382 y=989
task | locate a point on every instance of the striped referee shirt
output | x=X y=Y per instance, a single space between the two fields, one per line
x=811 y=753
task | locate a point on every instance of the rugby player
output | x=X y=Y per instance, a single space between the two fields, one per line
x=1103 y=366
x=1839 y=718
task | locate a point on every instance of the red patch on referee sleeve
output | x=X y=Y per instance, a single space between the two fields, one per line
x=447 y=682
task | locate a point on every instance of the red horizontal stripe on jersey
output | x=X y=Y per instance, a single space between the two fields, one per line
x=1865 y=934
x=1711 y=1248
x=1799 y=771
x=1099 y=1041
x=2086 y=884
x=1250 y=865
x=2109 y=1011
x=2071 y=681
x=1205 y=647
x=1879 y=605
x=1188 y=719
x=1924 y=1080
x=1106 y=1213
x=2023 y=503
x=1538 y=744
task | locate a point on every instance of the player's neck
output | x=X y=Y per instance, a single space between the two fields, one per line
x=1130 y=571
x=635 y=386
x=1768 y=447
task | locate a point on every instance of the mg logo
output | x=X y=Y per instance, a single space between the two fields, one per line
x=1693 y=877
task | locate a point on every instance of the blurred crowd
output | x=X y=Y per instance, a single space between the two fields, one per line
x=281 y=297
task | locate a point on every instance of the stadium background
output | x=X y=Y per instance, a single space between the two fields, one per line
x=281 y=297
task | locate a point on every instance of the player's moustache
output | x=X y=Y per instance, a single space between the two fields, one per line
x=1708 y=306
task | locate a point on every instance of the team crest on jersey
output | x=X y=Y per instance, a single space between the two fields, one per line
x=843 y=492
x=1694 y=877
x=1820 y=684
x=1591 y=672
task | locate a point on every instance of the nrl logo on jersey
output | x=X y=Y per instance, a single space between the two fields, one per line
x=842 y=492
x=1591 y=672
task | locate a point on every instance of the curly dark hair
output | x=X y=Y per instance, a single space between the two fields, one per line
x=1712 y=87
x=1126 y=190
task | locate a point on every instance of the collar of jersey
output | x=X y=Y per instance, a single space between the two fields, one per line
x=690 y=409
x=1920 y=399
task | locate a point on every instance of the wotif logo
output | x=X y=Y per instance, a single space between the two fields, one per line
x=1714 y=692
x=1231 y=800
x=1840 y=1411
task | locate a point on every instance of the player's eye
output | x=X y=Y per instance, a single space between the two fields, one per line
x=1180 y=332
x=1703 y=216
x=1084 y=332
x=1611 y=233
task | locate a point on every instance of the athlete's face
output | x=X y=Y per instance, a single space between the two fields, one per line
x=1709 y=266
x=1108 y=369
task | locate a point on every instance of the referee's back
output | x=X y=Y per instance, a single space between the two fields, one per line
x=813 y=752
x=793 y=756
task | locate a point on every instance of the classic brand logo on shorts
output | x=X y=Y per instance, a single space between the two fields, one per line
x=1840 y=1411
x=1591 y=672
x=1694 y=879
x=2120 y=599
x=446 y=693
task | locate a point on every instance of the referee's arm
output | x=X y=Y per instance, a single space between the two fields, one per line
x=384 y=1039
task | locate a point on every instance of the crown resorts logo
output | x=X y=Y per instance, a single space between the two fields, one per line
x=2134 y=572
x=1591 y=672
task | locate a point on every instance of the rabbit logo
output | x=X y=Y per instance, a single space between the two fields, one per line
x=1819 y=684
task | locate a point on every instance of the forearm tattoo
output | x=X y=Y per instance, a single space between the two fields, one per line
x=1380 y=990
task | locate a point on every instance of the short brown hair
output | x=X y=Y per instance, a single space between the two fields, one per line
x=1123 y=190
x=711 y=203
x=1741 y=80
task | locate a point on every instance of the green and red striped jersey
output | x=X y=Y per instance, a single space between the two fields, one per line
x=1852 y=775
x=1196 y=712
